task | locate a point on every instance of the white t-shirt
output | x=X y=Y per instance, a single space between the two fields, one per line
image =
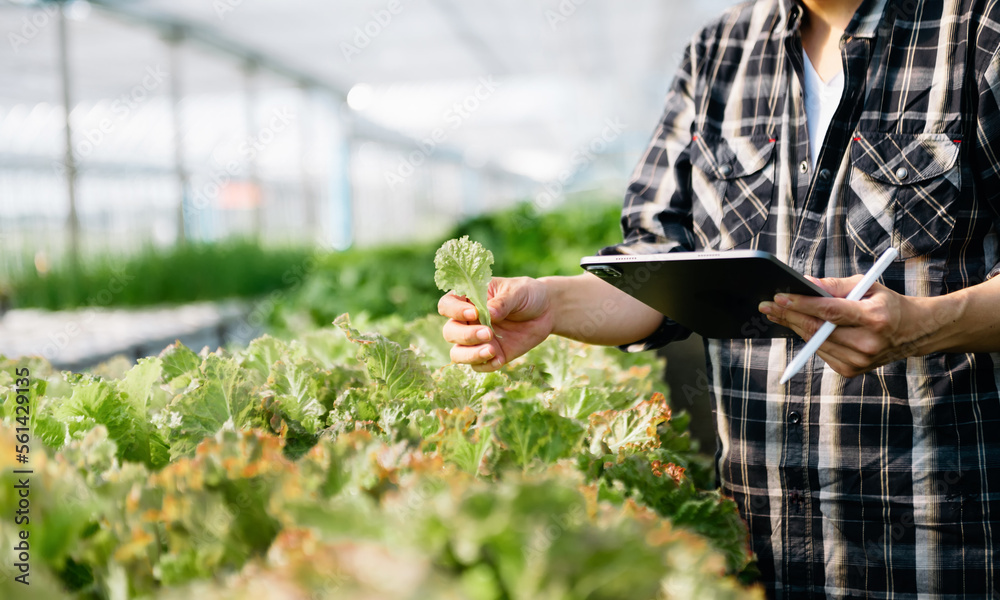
x=821 y=100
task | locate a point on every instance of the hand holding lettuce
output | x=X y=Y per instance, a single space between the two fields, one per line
x=463 y=267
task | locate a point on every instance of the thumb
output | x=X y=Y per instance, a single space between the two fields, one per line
x=839 y=287
x=505 y=298
x=501 y=305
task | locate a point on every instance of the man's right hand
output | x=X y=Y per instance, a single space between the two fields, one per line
x=521 y=311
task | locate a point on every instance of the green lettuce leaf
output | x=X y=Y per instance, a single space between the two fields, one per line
x=176 y=360
x=656 y=482
x=463 y=267
x=96 y=402
x=296 y=385
x=395 y=367
x=634 y=429
x=530 y=433
x=138 y=388
x=457 y=385
x=459 y=441
x=221 y=393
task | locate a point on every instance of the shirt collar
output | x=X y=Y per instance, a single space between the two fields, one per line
x=867 y=20
x=864 y=24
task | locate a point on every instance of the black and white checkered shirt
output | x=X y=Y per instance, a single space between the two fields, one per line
x=885 y=485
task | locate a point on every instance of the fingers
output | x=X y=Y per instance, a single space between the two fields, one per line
x=845 y=359
x=473 y=344
x=839 y=287
x=466 y=334
x=460 y=309
x=850 y=335
x=499 y=307
x=502 y=302
x=847 y=362
x=871 y=312
x=849 y=351
x=477 y=345
x=483 y=358
x=803 y=324
x=839 y=366
x=488 y=367
x=835 y=310
x=473 y=355
x=457 y=308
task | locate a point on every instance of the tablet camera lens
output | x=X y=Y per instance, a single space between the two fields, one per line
x=605 y=271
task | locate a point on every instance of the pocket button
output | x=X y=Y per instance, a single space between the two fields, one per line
x=902 y=173
x=803 y=167
x=725 y=170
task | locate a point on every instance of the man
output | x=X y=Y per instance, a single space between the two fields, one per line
x=825 y=131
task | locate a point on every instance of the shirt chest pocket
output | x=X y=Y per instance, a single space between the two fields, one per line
x=902 y=192
x=732 y=185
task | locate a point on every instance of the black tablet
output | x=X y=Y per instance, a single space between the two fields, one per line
x=715 y=294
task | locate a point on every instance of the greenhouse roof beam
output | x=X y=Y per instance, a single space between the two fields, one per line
x=465 y=31
x=172 y=27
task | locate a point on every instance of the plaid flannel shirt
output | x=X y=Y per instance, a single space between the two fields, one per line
x=885 y=485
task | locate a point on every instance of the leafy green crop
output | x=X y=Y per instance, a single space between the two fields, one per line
x=398 y=281
x=233 y=268
x=360 y=464
x=463 y=267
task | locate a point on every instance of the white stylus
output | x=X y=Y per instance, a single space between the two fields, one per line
x=827 y=328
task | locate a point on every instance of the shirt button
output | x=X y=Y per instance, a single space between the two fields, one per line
x=725 y=170
x=794 y=418
x=824 y=175
x=803 y=167
x=902 y=173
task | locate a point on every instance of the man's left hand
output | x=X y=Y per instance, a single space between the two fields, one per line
x=880 y=328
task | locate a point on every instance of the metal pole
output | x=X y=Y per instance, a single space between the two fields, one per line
x=307 y=148
x=250 y=98
x=73 y=221
x=343 y=184
x=174 y=42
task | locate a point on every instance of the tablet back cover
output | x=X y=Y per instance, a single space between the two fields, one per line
x=714 y=294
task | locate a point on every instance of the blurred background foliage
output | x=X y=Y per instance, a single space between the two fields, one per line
x=316 y=285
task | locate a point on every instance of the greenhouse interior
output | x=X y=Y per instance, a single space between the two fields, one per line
x=222 y=225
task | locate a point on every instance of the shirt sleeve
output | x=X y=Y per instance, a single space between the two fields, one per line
x=994 y=273
x=986 y=158
x=656 y=216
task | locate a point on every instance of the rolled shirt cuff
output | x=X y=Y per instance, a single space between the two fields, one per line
x=994 y=273
x=669 y=330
